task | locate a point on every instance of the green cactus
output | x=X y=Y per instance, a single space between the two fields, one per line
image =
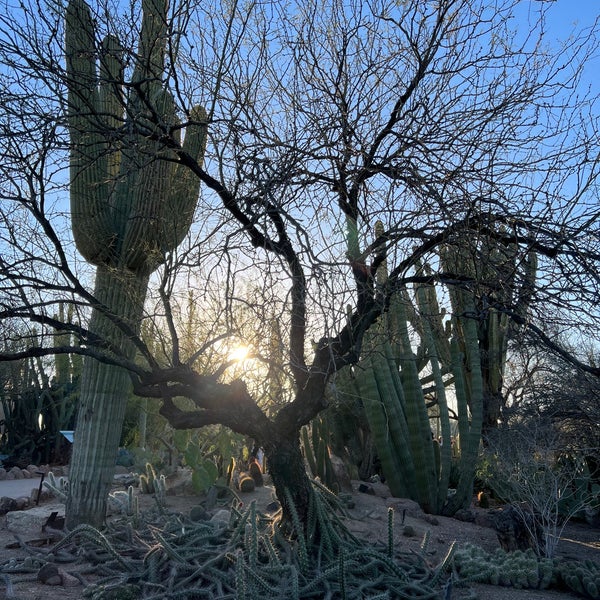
x=58 y=486
x=131 y=203
x=494 y=269
x=388 y=380
x=524 y=570
x=317 y=453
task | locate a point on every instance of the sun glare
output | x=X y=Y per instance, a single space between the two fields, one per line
x=239 y=353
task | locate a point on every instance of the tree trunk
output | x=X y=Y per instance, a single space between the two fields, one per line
x=103 y=398
x=286 y=467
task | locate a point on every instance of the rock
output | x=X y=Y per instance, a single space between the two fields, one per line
x=221 y=517
x=10 y=476
x=199 y=513
x=431 y=519
x=405 y=507
x=17 y=472
x=49 y=575
x=409 y=531
x=68 y=580
x=34 y=518
x=45 y=495
x=484 y=519
x=33 y=469
x=7 y=504
x=125 y=479
x=381 y=490
x=181 y=484
x=465 y=514
x=26 y=474
x=22 y=503
x=2 y=473
x=518 y=529
x=341 y=473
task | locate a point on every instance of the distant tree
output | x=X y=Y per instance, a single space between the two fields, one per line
x=435 y=118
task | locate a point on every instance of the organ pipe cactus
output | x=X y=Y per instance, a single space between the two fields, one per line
x=503 y=284
x=131 y=203
x=387 y=378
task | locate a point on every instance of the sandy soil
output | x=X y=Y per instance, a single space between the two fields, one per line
x=367 y=519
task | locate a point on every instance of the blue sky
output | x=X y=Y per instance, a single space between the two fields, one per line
x=565 y=18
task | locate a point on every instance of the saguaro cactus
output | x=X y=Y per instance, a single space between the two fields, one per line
x=131 y=203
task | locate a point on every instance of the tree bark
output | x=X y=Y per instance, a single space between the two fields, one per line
x=103 y=399
x=286 y=467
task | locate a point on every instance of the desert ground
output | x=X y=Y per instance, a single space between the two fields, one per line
x=366 y=517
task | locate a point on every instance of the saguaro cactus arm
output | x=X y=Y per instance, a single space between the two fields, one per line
x=91 y=214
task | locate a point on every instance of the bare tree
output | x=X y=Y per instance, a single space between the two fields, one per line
x=433 y=118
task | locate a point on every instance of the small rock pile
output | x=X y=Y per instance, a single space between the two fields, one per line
x=31 y=471
x=8 y=504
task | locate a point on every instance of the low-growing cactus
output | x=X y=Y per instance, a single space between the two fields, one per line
x=581 y=577
x=151 y=483
x=525 y=570
x=521 y=570
x=58 y=486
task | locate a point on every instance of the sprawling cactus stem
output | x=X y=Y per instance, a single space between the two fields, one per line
x=131 y=203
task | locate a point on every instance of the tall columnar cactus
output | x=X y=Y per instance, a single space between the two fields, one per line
x=131 y=202
x=388 y=380
x=503 y=284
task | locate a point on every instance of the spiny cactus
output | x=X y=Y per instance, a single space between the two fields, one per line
x=514 y=569
x=387 y=379
x=132 y=202
x=252 y=557
x=58 y=486
x=582 y=577
x=316 y=452
x=526 y=570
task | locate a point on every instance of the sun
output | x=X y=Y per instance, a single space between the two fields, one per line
x=239 y=353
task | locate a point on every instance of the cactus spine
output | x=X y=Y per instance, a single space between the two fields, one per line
x=129 y=207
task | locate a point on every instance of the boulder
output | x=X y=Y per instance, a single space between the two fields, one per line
x=7 y=504
x=518 y=529
x=34 y=518
x=17 y=473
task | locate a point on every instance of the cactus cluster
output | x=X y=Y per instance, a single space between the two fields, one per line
x=126 y=502
x=519 y=569
x=411 y=356
x=151 y=483
x=525 y=570
x=581 y=577
x=388 y=381
x=58 y=486
x=249 y=557
x=35 y=405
